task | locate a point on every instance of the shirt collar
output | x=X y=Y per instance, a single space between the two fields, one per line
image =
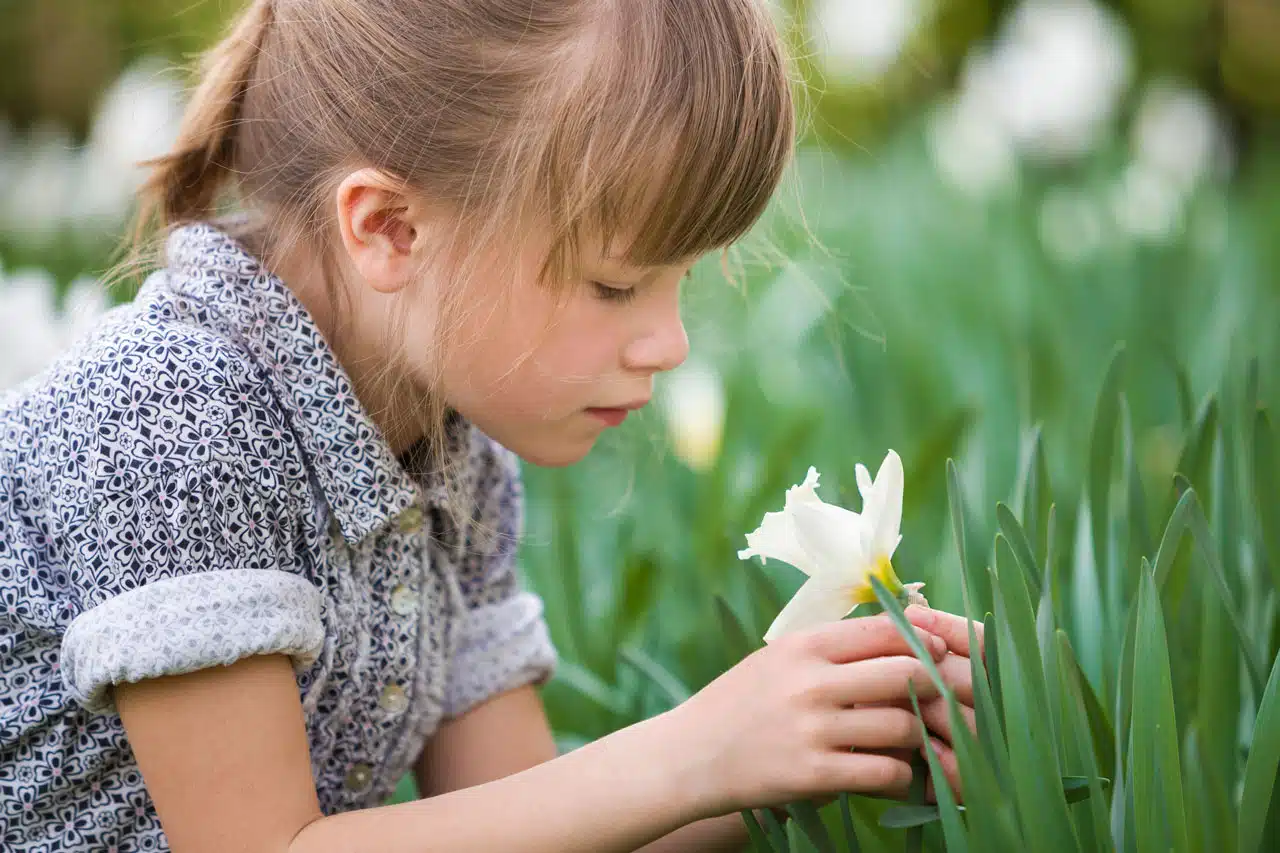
x=362 y=481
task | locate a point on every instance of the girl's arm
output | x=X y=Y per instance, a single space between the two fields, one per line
x=225 y=758
x=510 y=733
x=224 y=755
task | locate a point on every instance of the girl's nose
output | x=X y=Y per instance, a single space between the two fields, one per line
x=664 y=346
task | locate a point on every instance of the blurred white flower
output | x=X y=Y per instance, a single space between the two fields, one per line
x=1071 y=224
x=970 y=150
x=1049 y=87
x=840 y=550
x=861 y=39
x=48 y=183
x=1146 y=203
x=693 y=404
x=32 y=332
x=1177 y=131
x=136 y=120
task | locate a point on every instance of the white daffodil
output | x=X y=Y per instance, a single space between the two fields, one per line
x=840 y=550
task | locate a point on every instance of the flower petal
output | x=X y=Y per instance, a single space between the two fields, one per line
x=883 y=509
x=864 y=483
x=776 y=537
x=833 y=537
x=814 y=604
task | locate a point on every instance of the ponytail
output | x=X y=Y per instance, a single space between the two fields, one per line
x=184 y=184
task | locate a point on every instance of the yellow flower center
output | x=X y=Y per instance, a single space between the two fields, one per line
x=882 y=570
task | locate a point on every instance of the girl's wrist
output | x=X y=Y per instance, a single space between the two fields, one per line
x=693 y=781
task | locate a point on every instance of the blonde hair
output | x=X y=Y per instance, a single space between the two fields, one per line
x=666 y=124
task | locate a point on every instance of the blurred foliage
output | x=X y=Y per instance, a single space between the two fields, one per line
x=57 y=56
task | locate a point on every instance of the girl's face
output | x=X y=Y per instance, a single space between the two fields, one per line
x=544 y=373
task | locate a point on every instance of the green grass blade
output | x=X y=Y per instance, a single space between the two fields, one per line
x=759 y=841
x=1037 y=789
x=1159 y=807
x=1172 y=537
x=953 y=831
x=1102 y=446
x=809 y=822
x=668 y=683
x=1021 y=547
x=1076 y=730
x=851 y=843
x=1260 y=769
x=737 y=641
x=976 y=584
x=1266 y=491
x=1207 y=547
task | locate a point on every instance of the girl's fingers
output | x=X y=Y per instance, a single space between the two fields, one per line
x=867 y=773
x=883 y=679
x=939 y=721
x=953 y=629
x=868 y=637
x=957 y=675
x=876 y=728
x=950 y=766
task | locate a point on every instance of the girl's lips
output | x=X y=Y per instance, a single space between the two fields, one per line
x=611 y=417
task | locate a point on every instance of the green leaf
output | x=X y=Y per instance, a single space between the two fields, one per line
x=992 y=652
x=738 y=643
x=777 y=833
x=1172 y=537
x=1077 y=789
x=851 y=842
x=667 y=683
x=915 y=795
x=1085 y=744
x=909 y=815
x=809 y=822
x=953 y=830
x=1159 y=808
x=639 y=583
x=1102 y=447
x=759 y=841
x=591 y=687
x=1258 y=793
x=1207 y=547
x=1037 y=790
x=976 y=585
x=1266 y=491
x=1021 y=547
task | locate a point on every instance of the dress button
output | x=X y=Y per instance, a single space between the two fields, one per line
x=394 y=700
x=410 y=520
x=358 y=777
x=404 y=601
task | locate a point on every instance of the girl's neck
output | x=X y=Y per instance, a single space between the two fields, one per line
x=390 y=403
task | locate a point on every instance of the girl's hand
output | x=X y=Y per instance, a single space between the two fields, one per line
x=955 y=672
x=780 y=726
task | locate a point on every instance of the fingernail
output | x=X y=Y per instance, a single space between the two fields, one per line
x=939 y=646
x=939 y=748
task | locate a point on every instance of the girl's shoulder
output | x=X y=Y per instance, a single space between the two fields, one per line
x=151 y=390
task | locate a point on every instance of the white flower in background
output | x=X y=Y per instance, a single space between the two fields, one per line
x=32 y=332
x=840 y=550
x=137 y=119
x=1146 y=204
x=693 y=404
x=1050 y=86
x=861 y=39
x=1177 y=132
x=1072 y=224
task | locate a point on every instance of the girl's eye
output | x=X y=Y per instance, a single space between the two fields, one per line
x=613 y=294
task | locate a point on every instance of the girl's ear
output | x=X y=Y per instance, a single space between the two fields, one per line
x=382 y=228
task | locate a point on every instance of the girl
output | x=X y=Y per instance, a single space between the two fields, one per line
x=257 y=531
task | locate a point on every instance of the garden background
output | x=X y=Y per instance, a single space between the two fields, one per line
x=1039 y=238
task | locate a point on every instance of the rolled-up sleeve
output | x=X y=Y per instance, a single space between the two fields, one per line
x=186 y=570
x=502 y=641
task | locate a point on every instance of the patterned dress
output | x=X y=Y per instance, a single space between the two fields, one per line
x=195 y=482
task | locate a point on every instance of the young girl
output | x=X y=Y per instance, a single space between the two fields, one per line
x=257 y=531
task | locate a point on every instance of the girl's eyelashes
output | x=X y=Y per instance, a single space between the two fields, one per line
x=610 y=293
